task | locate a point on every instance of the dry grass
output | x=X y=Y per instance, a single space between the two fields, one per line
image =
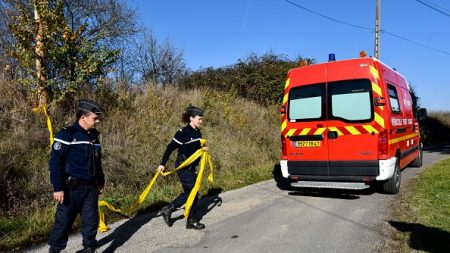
x=242 y=136
x=441 y=116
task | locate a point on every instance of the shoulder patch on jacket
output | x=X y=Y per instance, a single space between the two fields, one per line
x=57 y=145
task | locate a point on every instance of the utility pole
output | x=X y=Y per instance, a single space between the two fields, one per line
x=377 y=30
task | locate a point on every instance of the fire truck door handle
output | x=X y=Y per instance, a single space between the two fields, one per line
x=332 y=134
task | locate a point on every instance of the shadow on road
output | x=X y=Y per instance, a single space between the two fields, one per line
x=285 y=185
x=332 y=193
x=442 y=149
x=125 y=231
x=205 y=204
x=282 y=183
x=424 y=238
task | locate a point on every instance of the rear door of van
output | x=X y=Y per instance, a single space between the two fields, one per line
x=306 y=122
x=352 y=136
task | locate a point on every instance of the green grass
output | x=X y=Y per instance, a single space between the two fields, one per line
x=25 y=229
x=432 y=199
x=421 y=221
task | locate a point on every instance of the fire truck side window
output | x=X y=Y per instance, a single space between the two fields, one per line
x=307 y=103
x=351 y=100
x=393 y=98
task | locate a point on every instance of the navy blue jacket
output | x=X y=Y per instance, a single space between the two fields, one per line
x=77 y=153
x=187 y=140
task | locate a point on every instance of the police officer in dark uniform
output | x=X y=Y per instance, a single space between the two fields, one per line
x=187 y=141
x=77 y=177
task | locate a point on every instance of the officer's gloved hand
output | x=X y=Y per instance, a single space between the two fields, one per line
x=161 y=168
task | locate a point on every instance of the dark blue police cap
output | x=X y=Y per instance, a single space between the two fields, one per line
x=90 y=106
x=194 y=111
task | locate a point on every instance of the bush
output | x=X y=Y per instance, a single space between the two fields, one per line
x=259 y=79
x=436 y=128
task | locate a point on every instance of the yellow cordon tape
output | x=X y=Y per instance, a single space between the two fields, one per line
x=49 y=123
x=205 y=158
x=102 y=227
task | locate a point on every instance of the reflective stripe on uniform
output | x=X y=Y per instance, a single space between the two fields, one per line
x=198 y=139
x=76 y=142
x=177 y=141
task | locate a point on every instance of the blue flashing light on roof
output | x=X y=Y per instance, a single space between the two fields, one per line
x=331 y=57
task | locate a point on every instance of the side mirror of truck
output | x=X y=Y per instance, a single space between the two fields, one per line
x=422 y=114
x=379 y=101
x=283 y=109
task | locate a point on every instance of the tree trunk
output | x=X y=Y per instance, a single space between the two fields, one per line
x=42 y=91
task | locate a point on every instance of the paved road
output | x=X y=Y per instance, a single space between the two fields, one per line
x=263 y=218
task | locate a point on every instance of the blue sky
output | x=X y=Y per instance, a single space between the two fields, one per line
x=215 y=33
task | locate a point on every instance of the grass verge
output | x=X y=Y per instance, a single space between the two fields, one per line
x=420 y=222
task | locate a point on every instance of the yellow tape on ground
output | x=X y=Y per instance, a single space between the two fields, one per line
x=205 y=158
x=102 y=227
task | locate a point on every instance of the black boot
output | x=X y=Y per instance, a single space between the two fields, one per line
x=166 y=212
x=52 y=250
x=194 y=224
x=88 y=250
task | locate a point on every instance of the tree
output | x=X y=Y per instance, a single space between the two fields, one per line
x=67 y=46
x=7 y=63
x=110 y=25
x=415 y=100
x=158 y=63
x=27 y=23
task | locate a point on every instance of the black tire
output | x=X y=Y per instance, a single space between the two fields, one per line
x=392 y=185
x=285 y=184
x=419 y=160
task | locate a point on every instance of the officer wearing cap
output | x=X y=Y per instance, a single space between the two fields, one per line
x=187 y=141
x=77 y=177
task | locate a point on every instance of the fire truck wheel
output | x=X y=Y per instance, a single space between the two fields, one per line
x=392 y=185
x=418 y=162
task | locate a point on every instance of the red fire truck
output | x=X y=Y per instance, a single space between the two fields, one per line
x=348 y=124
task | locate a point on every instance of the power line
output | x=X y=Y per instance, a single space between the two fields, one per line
x=416 y=43
x=435 y=7
x=370 y=29
x=332 y=19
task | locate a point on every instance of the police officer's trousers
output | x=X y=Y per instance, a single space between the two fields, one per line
x=84 y=201
x=187 y=178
